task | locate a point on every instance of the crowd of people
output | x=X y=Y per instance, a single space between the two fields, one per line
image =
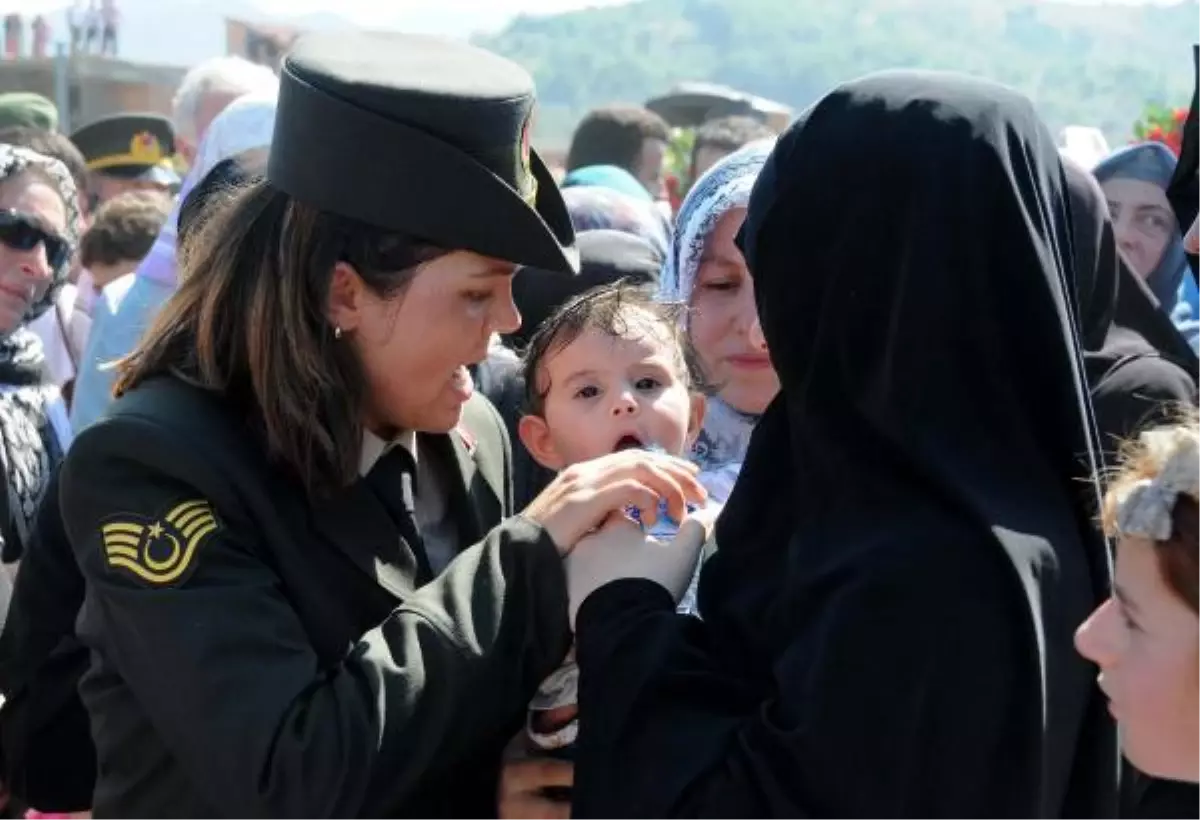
x=94 y=27
x=376 y=468
x=14 y=36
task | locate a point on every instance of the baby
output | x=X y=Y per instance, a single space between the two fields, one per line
x=608 y=371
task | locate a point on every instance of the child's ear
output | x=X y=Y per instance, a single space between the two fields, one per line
x=696 y=417
x=535 y=435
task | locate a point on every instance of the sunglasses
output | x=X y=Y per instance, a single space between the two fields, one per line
x=21 y=232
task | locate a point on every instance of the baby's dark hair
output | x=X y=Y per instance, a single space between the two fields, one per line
x=608 y=309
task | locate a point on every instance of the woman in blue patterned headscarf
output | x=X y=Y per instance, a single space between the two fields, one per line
x=705 y=270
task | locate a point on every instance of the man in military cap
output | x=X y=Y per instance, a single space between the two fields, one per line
x=127 y=152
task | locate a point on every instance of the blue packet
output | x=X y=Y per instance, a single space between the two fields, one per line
x=664 y=527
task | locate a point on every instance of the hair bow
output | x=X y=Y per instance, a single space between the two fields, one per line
x=1145 y=508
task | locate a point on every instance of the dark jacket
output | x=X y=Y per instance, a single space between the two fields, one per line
x=255 y=653
x=501 y=378
x=45 y=739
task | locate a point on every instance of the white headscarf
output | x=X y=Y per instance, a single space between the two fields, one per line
x=723 y=187
x=246 y=124
x=721 y=445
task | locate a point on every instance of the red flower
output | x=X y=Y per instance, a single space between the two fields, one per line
x=1156 y=133
x=1180 y=115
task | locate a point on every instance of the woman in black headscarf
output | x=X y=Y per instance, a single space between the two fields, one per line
x=888 y=618
x=1138 y=367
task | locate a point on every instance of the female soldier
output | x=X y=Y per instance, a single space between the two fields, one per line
x=273 y=520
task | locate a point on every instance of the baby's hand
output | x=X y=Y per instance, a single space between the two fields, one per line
x=706 y=517
x=697 y=528
x=622 y=550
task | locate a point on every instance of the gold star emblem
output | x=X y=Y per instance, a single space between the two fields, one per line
x=156 y=530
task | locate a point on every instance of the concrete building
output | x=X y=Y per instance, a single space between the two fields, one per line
x=88 y=87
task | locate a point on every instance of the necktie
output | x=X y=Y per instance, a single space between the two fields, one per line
x=393 y=480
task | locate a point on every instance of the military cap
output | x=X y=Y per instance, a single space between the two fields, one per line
x=129 y=146
x=423 y=136
x=28 y=109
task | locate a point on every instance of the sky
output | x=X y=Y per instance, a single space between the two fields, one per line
x=484 y=14
x=390 y=11
x=425 y=16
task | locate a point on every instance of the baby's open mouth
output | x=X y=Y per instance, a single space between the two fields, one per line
x=627 y=443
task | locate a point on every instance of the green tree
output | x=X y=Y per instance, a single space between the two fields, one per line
x=1095 y=64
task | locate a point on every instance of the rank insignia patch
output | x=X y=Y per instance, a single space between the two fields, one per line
x=159 y=552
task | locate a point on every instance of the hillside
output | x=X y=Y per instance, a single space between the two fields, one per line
x=1095 y=65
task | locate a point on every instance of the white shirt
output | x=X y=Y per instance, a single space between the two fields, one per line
x=63 y=330
x=438 y=529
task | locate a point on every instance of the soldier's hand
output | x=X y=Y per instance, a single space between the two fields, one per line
x=523 y=784
x=583 y=496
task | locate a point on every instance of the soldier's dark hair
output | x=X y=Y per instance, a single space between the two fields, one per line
x=614 y=310
x=249 y=322
x=614 y=135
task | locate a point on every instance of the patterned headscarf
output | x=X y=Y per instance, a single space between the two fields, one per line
x=725 y=435
x=595 y=208
x=15 y=160
x=722 y=188
x=34 y=432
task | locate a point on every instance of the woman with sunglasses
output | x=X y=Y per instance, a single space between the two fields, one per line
x=39 y=225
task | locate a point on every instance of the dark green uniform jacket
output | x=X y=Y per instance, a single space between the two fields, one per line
x=258 y=654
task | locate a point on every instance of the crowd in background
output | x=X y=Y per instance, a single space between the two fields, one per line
x=94 y=28
x=808 y=390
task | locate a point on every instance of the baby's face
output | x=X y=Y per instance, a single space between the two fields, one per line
x=610 y=393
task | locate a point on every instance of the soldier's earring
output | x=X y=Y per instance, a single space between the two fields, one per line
x=337 y=332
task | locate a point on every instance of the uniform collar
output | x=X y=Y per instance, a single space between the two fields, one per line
x=374 y=448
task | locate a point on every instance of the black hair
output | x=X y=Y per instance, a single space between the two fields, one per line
x=614 y=136
x=218 y=185
x=607 y=308
x=730 y=133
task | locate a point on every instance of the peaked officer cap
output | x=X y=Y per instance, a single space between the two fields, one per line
x=424 y=136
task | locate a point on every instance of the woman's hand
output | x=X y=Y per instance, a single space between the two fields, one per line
x=623 y=550
x=523 y=785
x=583 y=496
